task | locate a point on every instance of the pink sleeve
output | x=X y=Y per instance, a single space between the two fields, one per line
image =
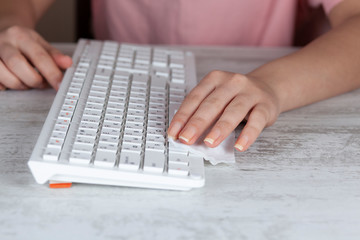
x=327 y=4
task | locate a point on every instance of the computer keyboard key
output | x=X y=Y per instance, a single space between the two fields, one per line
x=58 y=135
x=115 y=112
x=196 y=167
x=98 y=83
x=110 y=131
x=134 y=125
x=156 y=125
x=79 y=157
x=176 y=63
x=51 y=154
x=176 y=150
x=107 y=146
x=108 y=138
x=104 y=158
x=129 y=160
x=138 y=140
x=61 y=127
x=158 y=95
x=155 y=132
x=83 y=147
x=136 y=112
x=159 y=80
x=112 y=124
x=92 y=112
x=156 y=118
x=86 y=132
x=67 y=108
x=103 y=73
x=155 y=146
x=135 y=119
x=91 y=119
x=55 y=143
x=136 y=106
x=121 y=76
x=114 y=118
x=155 y=139
x=176 y=99
x=116 y=105
x=154 y=161
x=89 y=125
x=178 y=158
x=65 y=115
x=94 y=106
x=131 y=148
x=85 y=140
x=96 y=100
x=178 y=169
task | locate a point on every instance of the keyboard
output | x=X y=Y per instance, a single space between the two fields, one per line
x=108 y=122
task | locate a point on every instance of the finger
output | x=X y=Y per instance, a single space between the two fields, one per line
x=44 y=63
x=187 y=108
x=192 y=101
x=233 y=114
x=19 y=66
x=258 y=119
x=9 y=80
x=209 y=110
x=62 y=60
x=2 y=87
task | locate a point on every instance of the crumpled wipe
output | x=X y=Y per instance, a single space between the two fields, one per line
x=224 y=153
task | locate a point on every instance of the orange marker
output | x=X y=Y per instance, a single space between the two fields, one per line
x=54 y=184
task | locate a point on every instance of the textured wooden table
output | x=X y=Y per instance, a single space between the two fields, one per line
x=300 y=180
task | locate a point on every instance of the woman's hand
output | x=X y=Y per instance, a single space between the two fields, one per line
x=226 y=99
x=28 y=61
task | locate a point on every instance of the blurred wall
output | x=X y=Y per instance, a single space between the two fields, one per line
x=59 y=22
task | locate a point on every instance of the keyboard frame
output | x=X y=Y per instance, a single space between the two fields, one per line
x=62 y=171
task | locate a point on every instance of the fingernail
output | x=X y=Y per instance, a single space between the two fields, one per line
x=209 y=140
x=212 y=136
x=188 y=134
x=240 y=145
x=174 y=130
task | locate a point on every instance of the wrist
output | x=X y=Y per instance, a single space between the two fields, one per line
x=272 y=86
x=9 y=21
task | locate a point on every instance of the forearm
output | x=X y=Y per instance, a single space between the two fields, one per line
x=22 y=12
x=328 y=66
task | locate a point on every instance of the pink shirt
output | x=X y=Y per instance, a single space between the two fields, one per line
x=199 y=22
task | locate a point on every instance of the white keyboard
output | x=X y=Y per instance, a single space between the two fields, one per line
x=108 y=122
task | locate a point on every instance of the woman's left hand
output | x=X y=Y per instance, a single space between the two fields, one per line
x=226 y=99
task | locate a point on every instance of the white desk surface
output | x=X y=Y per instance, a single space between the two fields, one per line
x=300 y=180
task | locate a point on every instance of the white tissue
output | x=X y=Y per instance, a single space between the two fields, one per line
x=223 y=153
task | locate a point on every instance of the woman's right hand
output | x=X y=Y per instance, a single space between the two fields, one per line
x=28 y=61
